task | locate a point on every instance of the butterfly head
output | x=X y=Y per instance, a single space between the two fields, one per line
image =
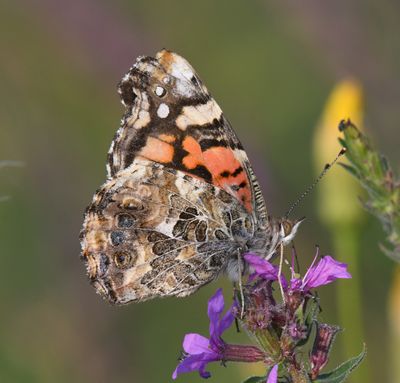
x=279 y=231
x=288 y=229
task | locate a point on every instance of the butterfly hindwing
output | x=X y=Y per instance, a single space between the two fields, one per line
x=153 y=231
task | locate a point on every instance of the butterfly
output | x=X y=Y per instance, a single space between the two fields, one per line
x=181 y=203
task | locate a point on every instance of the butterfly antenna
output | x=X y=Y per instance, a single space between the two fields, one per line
x=312 y=186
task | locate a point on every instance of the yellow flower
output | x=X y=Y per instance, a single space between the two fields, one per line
x=338 y=191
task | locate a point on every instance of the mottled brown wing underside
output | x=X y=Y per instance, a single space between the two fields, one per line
x=153 y=231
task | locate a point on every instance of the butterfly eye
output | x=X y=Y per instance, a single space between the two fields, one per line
x=123 y=259
x=160 y=91
x=287 y=227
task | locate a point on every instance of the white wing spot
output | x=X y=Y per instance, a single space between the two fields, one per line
x=160 y=91
x=163 y=111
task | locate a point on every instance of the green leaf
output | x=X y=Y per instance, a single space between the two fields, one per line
x=311 y=315
x=256 y=379
x=373 y=171
x=350 y=169
x=341 y=373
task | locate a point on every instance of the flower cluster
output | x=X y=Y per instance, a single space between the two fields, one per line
x=279 y=321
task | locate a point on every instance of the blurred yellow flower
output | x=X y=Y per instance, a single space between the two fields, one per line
x=338 y=190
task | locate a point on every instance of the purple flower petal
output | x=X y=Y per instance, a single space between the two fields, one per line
x=217 y=325
x=296 y=284
x=273 y=375
x=226 y=321
x=326 y=271
x=215 y=307
x=195 y=363
x=194 y=344
x=262 y=267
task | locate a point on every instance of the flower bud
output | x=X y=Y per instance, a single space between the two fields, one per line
x=322 y=346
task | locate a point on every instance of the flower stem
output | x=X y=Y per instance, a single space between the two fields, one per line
x=394 y=323
x=269 y=343
x=298 y=376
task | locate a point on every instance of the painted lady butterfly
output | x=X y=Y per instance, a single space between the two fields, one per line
x=181 y=203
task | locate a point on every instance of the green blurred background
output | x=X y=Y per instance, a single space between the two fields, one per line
x=270 y=65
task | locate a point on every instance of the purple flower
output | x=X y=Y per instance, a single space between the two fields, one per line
x=273 y=375
x=200 y=350
x=324 y=272
x=262 y=268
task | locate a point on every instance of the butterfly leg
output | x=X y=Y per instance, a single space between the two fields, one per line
x=280 y=273
x=234 y=296
x=240 y=285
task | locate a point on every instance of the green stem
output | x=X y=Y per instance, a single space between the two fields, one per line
x=349 y=298
x=269 y=342
x=394 y=323
x=298 y=376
